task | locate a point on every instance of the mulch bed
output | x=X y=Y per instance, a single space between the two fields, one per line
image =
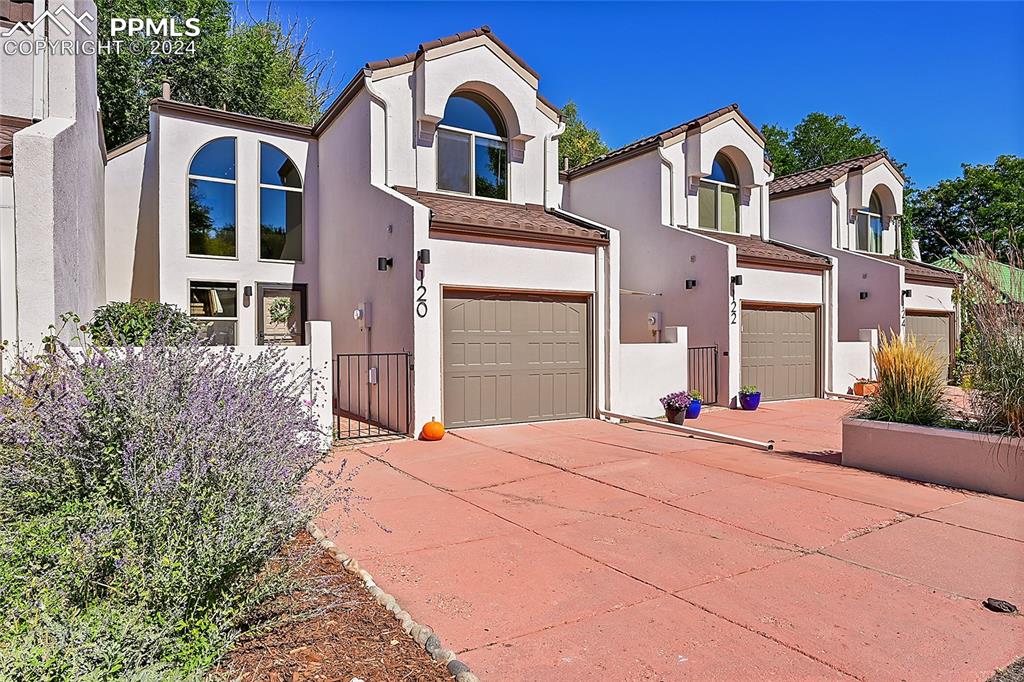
x=330 y=629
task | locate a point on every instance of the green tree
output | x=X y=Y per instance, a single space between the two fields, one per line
x=259 y=67
x=985 y=203
x=579 y=143
x=779 y=152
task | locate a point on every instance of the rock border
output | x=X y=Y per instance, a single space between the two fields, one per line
x=423 y=635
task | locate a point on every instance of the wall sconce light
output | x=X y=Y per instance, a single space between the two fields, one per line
x=691 y=283
x=863 y=295
x=384 y=263
x=423 y=256
x=736 y=279
x=907 y=293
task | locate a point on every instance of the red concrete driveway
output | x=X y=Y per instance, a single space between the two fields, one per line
x=583 y=550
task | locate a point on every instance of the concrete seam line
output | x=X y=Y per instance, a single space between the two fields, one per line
x=423 y=635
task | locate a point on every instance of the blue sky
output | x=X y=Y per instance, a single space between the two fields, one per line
x=939 y=83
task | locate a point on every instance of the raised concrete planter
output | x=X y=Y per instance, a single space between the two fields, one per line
x=962 y=459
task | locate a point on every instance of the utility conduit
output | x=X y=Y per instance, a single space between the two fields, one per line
x=692 y=432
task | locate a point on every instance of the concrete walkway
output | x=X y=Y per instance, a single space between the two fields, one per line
x=582 y=550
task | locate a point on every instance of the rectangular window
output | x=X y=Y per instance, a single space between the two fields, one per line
x=211 y=218
x=216 y=305
x=869 y=232
x=491 y=168
x=280 y=224
x=729 y=209
x=454 y=172
x=706 y=201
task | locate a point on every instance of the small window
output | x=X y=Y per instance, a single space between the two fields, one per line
x=472 y=148
x=212 y=200
x=870 y=226
x=280 y=206
x=718 y=197
x=216 y=305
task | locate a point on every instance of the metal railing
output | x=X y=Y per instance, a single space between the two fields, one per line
x=702 y=363
x=372 y=395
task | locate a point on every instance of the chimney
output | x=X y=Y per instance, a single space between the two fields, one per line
x=166 y=90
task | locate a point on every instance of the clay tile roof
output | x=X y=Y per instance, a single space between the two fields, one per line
x=916 y=271
x=448 y=40
x=751 y=248
x=499 y=219
x=822 y=175
x=8 y=126
x=652 y=140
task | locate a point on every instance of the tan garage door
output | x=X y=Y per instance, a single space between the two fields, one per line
x=780 y=352
x=514 y=358
x=934 y=331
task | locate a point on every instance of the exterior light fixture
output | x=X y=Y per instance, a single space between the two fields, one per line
x=423 y=256
x=736 y=279
x=247 y=291
x=863 y=295
x=691 y=283
x=384 y=263
x=907 y=293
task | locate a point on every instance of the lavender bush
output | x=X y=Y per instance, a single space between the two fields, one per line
x=142 y=492
x=676 y=402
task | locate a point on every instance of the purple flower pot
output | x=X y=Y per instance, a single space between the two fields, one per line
x=750 y=401
x=693 y=410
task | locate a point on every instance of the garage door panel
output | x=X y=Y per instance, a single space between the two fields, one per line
x=532 y=361
x=779 y=352
x=933 y=331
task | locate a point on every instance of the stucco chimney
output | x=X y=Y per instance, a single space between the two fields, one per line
x=915 y=247
x=166 y=90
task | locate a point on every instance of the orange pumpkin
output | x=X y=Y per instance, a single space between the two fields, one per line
x=433 y=430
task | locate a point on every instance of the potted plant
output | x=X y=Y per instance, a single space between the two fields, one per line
x=693 y=409
x=675 y=405
x=865 y=387
x=750 y=397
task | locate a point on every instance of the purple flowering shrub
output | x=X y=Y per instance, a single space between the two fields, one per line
x=142 y=492
x=676 y=402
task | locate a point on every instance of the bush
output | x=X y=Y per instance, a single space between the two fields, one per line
x=911 y=384
x=142 y=493
x=994 y=341
x=131 y=324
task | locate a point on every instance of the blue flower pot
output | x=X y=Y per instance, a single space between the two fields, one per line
x=750 y=401
x=693 y=410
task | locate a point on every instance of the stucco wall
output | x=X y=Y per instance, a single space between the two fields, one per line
x=131 y=240
x=929 y=297
x=648 y=371
x=8 y=281
x=179 y=139
x=18 y=89
x=58 y=183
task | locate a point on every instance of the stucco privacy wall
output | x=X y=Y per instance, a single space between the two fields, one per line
x=20 y=94
x=8 y=281
x=648 y=371
x=179 y=139
x=132 y=237
x=58 y=187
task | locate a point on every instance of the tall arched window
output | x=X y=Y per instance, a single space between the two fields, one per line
x=869 y=226
x=719 y=197
x=211 y=200
x=280 y=206
x=472 y=148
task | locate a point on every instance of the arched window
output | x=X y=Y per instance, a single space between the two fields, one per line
x=718 y=197
x=869 y=226
x=472 y=148
x=280 y=206
x=211 y=200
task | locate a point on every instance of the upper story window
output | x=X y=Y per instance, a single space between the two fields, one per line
x=212 y=200
x=718 y=197
x=280 y=206
x=472 y=148
x=869 y=226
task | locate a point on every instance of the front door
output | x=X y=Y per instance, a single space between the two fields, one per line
x=281 y=313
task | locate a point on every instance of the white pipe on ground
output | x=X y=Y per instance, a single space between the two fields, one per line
x=693 y=432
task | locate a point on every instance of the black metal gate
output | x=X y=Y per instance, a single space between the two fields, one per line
x=702 y=362
x=372 y=395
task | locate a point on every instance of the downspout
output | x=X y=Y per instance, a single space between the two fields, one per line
x=377 y=97
x=548 y=140
x=671 y=185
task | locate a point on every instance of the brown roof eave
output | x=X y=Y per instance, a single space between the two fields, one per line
x=341 y=101
x=807 y=189
x=781 y=263
x=161 y=105
x=640 y=149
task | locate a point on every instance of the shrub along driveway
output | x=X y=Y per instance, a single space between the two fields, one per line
x=582 y=550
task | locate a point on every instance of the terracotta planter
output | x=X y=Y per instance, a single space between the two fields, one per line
x=675 y=416
x=865 y=388
x=962 y=459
